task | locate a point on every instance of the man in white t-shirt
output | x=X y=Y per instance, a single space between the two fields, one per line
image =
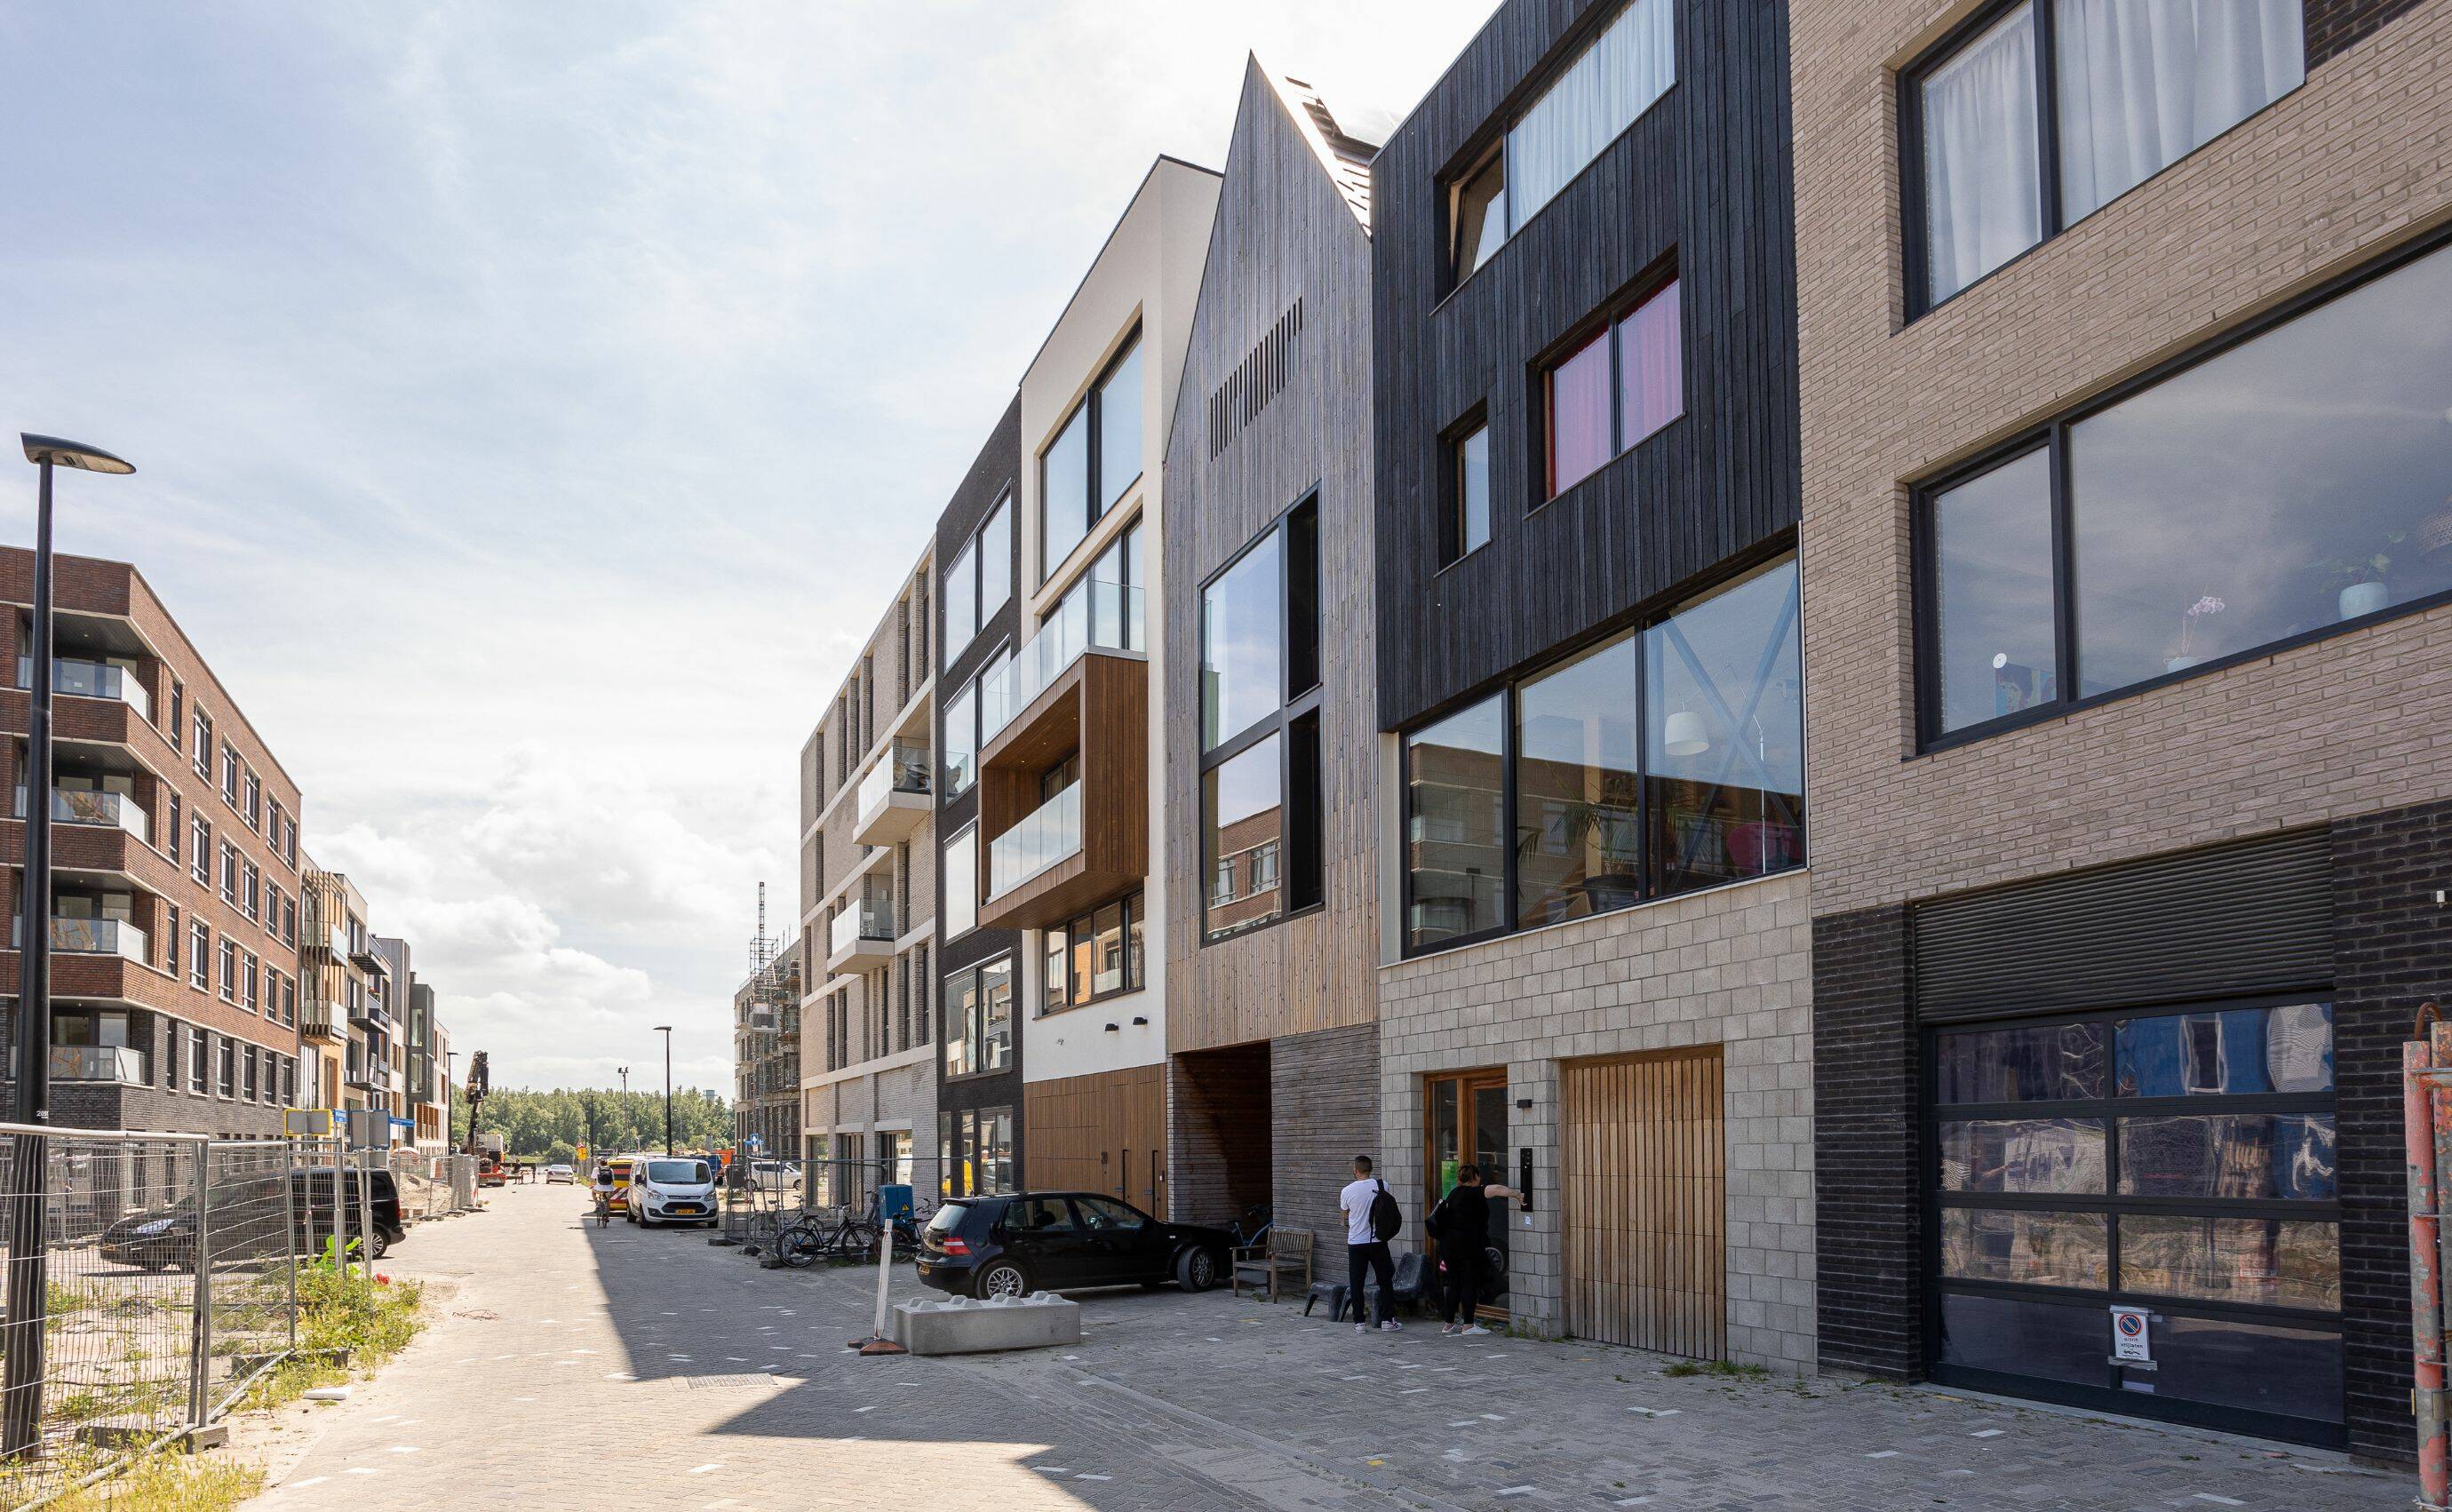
x=1366 y=1253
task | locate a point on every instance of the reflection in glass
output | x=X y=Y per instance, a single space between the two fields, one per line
x=2231 y=1050
x=2060 y=1155
x=1455 y=818
x=2031 y=1063
x=2288 y=1370
x=1651 y=367
x=962 y=602
x=1472 y=491
x=961 y=740
x=1983 y=189
x=1481 y=216
x=1241 y=618
x=1725 y=716
x=1578 y=826
x=1993 y=647
x=995 y=562
x=1614 y=80
x=995 y=1014
x=2042 y=1249
x=2275 y=1262
x=960 y=1021
x=1064 y=493
x=2266 y=1156
x=2291 y=484
x=1120 y=429
x=963 y=882
x=1243 y=821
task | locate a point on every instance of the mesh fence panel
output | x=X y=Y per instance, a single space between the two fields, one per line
x=249 y=1283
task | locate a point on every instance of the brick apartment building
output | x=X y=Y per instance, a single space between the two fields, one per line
x=176 y=870
x=766 y=1056
x=2128 y=524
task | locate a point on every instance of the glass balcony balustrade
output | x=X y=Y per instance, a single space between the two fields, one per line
x=902 y=769
x=78 y=679
x=1047 y=836
x=123 y=1064
x=1101 y=616
x=101 y=810
x=89 y=937
x=869 y=919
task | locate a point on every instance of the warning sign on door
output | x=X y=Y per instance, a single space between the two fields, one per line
x=2129 y=1338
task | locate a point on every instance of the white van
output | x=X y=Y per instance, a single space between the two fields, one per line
x=672 y=1189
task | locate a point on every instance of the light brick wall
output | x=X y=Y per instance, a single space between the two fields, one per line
x=1732 y=968
x=2358 y=160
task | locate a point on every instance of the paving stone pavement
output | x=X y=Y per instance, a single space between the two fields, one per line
x=571 y=1367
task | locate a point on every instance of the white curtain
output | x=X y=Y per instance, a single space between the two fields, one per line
x=2142 y=83
x=1983 y=186
x=1625 y=69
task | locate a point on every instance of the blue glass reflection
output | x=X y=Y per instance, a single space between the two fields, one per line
x=2233 y=1051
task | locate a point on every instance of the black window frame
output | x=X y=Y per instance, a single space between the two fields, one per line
x=1135 y=905
x=2108 y=1109
x=2052 y=220
x=1295 y=706
x=2052 y=435
x=1095 y=506
x=949 y=649
x=1601 y=324
x=1631 y=627
x=973 y=1031
x=1473 y=421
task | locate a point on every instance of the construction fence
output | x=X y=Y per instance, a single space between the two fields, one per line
x=760 y=1199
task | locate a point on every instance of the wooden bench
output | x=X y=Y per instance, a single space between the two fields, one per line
x=1281 y=1253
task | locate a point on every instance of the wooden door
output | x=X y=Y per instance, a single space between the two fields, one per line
x=1643 y=1170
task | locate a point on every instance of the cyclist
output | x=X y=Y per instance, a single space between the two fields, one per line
x=603 y=1185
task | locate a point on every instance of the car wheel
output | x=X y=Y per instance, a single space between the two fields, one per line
x=1002 y=1278
x=1196 y=1270
x=377 y=1245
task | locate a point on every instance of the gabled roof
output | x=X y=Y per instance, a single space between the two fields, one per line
x=1345 y=147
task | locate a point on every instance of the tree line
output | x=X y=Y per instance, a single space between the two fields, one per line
x=551 y=1126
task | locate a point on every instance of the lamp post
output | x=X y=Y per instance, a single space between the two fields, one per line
x=21 y=1389
x=666 y=1030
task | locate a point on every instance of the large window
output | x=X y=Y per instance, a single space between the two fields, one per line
x=1260 y=796
x=977 y=1021
x=1092 y=461
x=1668 y=759
x=2182 y=1162
x=979 y=581
x=2291 y=483
x=963 y=882
x=1096 y=955
x=1625 y=381
x=962 y=741
x=1611 y=82
x=2044 y=110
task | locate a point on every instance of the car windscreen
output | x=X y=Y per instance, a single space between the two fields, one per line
x=948 y=1218
x=677 y=1172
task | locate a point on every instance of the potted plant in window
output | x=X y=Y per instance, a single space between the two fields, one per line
x=2357 y=581
x=2188 y=655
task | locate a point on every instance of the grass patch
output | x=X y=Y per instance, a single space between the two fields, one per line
x=341 y=1314
x=170 y=1482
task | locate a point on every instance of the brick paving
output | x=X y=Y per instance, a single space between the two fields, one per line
x=570 y=1368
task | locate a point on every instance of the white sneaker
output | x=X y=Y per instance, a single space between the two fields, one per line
x=1361 y=1327
x=1477 y=1331
x=1392 y=1325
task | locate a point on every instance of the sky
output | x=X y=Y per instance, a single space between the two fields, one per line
x=528 y=399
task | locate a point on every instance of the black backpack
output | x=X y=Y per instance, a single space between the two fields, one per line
x=1387 y=1219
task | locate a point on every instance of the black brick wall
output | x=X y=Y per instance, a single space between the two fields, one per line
x=1866 y=1207
x=2392 y=950
x=2336 y=26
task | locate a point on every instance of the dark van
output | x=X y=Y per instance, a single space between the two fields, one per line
x=247 y=1215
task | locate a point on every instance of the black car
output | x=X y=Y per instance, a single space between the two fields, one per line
x=248 y=1214
x=1058 y=1240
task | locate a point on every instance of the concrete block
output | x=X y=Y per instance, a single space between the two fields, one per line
x=960 y=1326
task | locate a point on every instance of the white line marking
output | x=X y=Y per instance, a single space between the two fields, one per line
x=704 y=1468
x=1883 y=1454
x=1987 y=1433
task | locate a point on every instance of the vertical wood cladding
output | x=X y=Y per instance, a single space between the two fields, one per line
x=2392 y=952
x=1703 y=178
x=1105 y=1132
x=994 y=472
x=1285 y=237
x=1866 y=1202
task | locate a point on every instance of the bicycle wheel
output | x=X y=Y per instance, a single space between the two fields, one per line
x=796 y=1246
x=859 y=1243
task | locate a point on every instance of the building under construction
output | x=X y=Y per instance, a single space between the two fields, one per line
x=766 y=1046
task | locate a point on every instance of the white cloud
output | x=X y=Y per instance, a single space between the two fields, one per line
x=529 y=398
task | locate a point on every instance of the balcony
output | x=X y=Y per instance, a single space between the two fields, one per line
x=317 y=1019
x=90 y=938
x=362 y=952
x=367 y=1011
x=1049 y=858
x=863 y=932
x=101 y=810
x=1102 y=617
x=90 y=680
x=364 y=1078
x=893 y=796
x=121 y=1063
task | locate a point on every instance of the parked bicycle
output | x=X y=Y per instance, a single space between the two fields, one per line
x=812 y=1237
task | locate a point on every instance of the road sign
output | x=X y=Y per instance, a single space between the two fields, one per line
x=2130 y=1338
x=583 y=1152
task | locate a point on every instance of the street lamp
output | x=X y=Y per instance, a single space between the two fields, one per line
x=21 y=1390
x=666 y=1030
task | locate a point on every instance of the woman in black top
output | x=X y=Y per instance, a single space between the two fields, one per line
x=1461 y=1224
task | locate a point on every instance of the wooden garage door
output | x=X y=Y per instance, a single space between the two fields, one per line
x=1644 y=1173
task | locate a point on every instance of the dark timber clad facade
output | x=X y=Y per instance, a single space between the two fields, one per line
x=1700 y=183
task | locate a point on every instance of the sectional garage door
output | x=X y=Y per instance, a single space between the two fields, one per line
x=1644 y=1172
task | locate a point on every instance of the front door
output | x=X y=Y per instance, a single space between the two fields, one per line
x=1468 y=1122
x=1644 y=1181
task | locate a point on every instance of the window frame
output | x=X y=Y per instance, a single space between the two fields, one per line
x=1601 y=326
x=2053 y=220
x=1473 y=421
x=1505 y=692
x=1293 y=706
x=1095 y=504
x=2052 y=435
x=971 y=561
x=1134 y=906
